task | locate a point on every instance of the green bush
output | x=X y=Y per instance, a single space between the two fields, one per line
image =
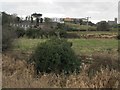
x=20 y=32
x=92 y=28
x=46 y=32
x=52 y=33
x=55 y=55
x=34 y=33
x=72 y=35
x=62 y=33
x=8 y=34
x=103 y=26
x=60 y=26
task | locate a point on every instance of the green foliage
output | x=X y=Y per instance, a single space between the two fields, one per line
x=90 y=28
x=103 y=26
x=60 y=26
x=78 y=27
x=55 y=55
x=40 y=33
x=5 y=18
x=47 y=20
x=80 y=21
x=57 y=32
x=62 y=33
x=51 y=33
x=20 y=32
x=80 y=46
x=8 y=35
x=72 y=35
x=34 y=33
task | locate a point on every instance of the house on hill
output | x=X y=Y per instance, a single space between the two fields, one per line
x=75 y=20
x=57 y=20
x=34 y=20
x=112 y=22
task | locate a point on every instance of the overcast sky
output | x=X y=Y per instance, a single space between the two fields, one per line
x=96 y=9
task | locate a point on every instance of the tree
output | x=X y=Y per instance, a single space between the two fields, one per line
x=41 y=20
x=60 y=26
x=103 y=26
x=37 y=21
x=90 y=23
x=17 y=19
x=31 y=19
x=5 y=18
x=80 y=21
x=55 y=55
x=8 y=33
x=37 y=16
x=47 y=20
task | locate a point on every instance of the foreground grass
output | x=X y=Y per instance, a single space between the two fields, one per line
x=100 y=70
x=79 y=45
x=18 y=73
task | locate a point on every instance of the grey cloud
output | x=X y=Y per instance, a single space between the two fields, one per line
x=97 y=10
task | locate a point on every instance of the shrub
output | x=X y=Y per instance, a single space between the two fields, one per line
x=118 y=37
x=104 y=60
x=55 y=55
x=8 y=35
x=103 y=26
x=62 y=33
x=48 y=32
x=60 y=26
x=34 y=33
x=20 y=32
x=72 y=35
x=52 y=33
x=92 y=28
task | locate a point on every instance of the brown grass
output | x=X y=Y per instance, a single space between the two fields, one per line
x=18 y=74
x=0 y=70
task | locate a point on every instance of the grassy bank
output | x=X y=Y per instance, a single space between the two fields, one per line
x=79 y=45
x=100 y=70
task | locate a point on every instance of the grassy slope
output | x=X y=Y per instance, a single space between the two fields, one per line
x=93 y=45
x=17 y=73
x=81 y=27
x=95 y=32
x=79 y=45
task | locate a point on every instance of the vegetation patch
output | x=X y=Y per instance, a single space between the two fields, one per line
x=20 y=32
x=8 y=34
x=55 y=55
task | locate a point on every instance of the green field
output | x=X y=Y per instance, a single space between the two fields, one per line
x=85 y=27
x=94 y=32
x=80 y=46
x=81 y=27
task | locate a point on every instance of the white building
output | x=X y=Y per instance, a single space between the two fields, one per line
x=58 y=20
x=113 y=22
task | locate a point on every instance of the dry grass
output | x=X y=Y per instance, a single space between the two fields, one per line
x=0 y=70
x=18 y=74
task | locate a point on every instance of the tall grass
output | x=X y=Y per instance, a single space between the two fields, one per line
x=18 y=74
